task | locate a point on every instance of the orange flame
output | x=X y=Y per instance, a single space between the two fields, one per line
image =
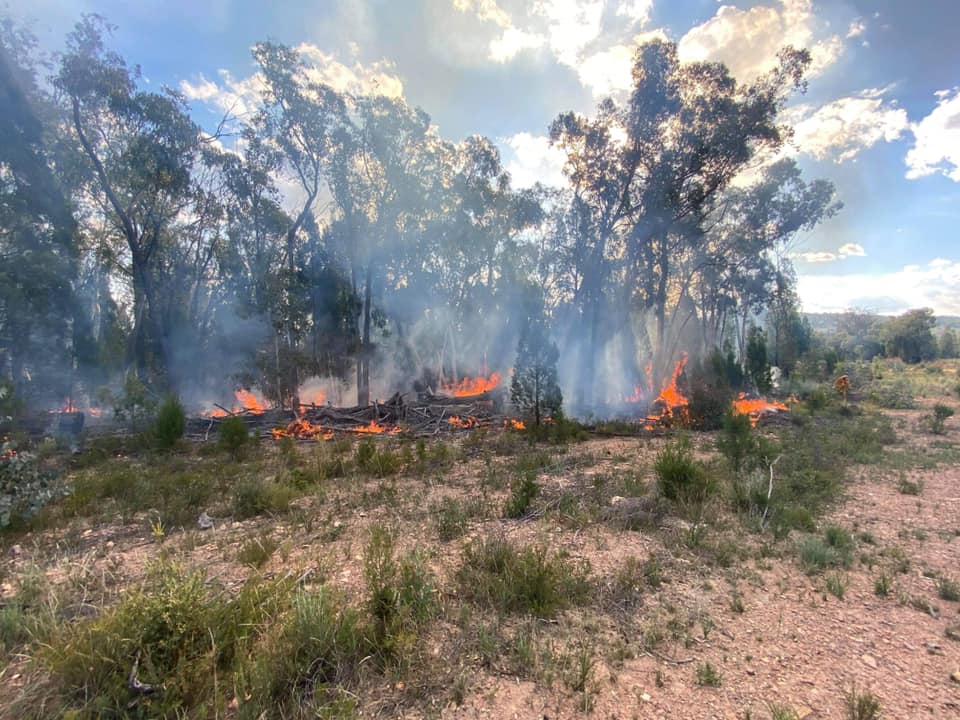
x=671 y=401
x=458 y=422
x=304 y=429
x=376 y=428
x=249 y=402
x=472 y=386
x=755 y=407
x=514 y=424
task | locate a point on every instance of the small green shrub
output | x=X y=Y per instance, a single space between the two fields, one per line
x=862 y=705
x=449 y=518
x=233 y=435
x=319 y=645
x=254 y=496
x=948 y=589
x=25 y=487
x=736 y=440
x=400 y=595
x=938 y=418
x=680 y=478
x=376 y=461
x=523 y=491
x=881 y=585
x=170 y=422
x=256 y=551
x=708 y=676
x=526 y=580
x=782 y=712
x=833 y=550
x=837 y=585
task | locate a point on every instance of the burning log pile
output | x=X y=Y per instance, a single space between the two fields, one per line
x=467 y=405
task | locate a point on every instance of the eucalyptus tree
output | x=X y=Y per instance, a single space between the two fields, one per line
x=301 y=120
x=139 y=149
x=644 y=176
x=39 y=253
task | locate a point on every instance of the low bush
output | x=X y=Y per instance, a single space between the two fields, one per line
x=25 y=486
x=449 y=518
x=255 y=496
x=680 y=478
x=938 y=418
x=233 y=435
x=170 y=423
x=528 y=580
x=523 y=491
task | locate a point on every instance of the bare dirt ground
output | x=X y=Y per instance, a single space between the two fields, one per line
x=773 y=634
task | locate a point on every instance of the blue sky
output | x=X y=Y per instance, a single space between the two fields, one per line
x=881 y=118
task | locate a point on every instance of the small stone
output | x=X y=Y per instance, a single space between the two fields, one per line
x=751 y=672
x=15 y=551
x=953 y=632
x=110 y=544
x=204 y=522
x=803 y=712
x=869 y=661
x=934 y=649
x=956 y=677
x=337 y=524
x=645 y=697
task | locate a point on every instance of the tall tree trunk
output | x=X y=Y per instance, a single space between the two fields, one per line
x=363 y=384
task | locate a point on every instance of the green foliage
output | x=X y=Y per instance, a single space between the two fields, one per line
x=910 y=336
x=736 y=441
x=372 y=459
x=25 y=487
x=233 y=435
x=401 y=595
x=938 y=418
x=450 y=518
x=534 y=389
x=881 y=585
x=862 y=705
x=758 y=365
x=949 y=348
x=892 y=395
x=837 y=585
x=183 y=631
x=708 y=405
x=255 y=496
x=680 y=478
x=833 y=550
x=948 y=589
x=256 y=551
x=708 y=676
x=527 y=580
x=169 y=424
x=523 y=490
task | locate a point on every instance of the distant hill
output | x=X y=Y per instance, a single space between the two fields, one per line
x=827 y=322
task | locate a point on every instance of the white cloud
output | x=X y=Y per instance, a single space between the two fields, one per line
x=378 y=78
x=841 y=129
x=936 y=285
x=608 y=70
x=936 y=147
x=851 y=250
x=534 y=160
x=485 y=10
x=815 y=257
x=843 y=252
x=241 y=97
x=857 y=28
x=571 y=26
x=747 y=41
x=637 y=10
x=513 y=41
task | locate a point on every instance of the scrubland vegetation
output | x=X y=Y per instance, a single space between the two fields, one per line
x=391 y=576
